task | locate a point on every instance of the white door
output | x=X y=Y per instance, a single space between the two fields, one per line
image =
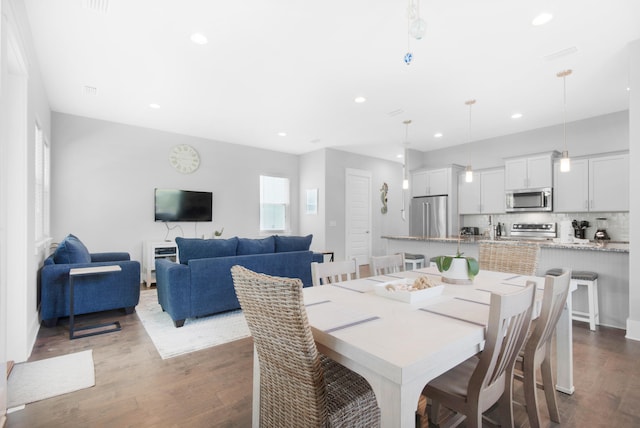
x=358 y=215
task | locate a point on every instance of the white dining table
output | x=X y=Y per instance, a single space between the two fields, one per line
x=398 y=347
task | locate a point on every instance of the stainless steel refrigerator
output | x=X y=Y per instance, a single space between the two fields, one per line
x=428 y=216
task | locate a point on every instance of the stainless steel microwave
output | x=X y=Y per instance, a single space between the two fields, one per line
x=529 y=200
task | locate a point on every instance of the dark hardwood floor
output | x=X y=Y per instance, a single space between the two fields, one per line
x=212 y=388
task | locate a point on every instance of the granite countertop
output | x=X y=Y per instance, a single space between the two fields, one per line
x=611 y=246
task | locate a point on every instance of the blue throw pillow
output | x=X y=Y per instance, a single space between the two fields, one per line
x=71 y=250
x=194 y=248
x=256 y=246
x=284 y=244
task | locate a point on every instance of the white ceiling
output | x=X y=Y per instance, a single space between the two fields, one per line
x=296 y=67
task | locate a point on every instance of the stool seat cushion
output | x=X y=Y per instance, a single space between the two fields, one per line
x=583 y=275
x=408 y=256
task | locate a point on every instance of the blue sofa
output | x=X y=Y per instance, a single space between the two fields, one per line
x=201 y=283
x=92 y=293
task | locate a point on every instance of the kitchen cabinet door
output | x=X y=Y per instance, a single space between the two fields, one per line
x=571 y=189
x=515 y=174
x=492 y=196
x=438 y=181
x=609 y=183
x=539 y=171
x=469 y=194
x=419 y=183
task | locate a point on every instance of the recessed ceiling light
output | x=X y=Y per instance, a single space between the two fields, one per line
x=437 y=135
x=542 y=19
x=360 y=100
x=154 y=105
x=516 y=115
x=199 y=39
x=282 y=134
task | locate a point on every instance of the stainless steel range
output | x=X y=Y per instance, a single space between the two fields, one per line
x=534 y=230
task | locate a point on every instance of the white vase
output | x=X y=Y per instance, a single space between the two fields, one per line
x=458 y=272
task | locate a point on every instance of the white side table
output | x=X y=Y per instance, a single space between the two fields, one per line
x=82 y=272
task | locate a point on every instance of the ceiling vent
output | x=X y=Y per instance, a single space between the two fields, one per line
x=101 y=6
x=395 y=112
x=561 y=53
x=90 y=90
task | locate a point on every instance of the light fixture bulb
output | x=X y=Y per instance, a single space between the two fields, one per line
x=468 y=174
x=565 y=162
x=418 y=28
x=405 y=184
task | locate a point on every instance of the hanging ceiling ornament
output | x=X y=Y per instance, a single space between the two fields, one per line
x=416 y=27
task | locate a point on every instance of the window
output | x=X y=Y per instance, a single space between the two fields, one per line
x=42 y=188
x=274 y=204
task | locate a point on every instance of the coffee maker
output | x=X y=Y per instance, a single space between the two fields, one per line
x=601 y=232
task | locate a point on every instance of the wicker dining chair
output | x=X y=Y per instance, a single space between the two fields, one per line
x=475 y=385
x=299 y=387
x=537 y=350
x=381 y=265
x=332 y=272
x=511 y=257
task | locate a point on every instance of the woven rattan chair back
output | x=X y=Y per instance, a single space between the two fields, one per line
x=381 y=265
x=298 y=386
x=511 y=257
x=332 y=272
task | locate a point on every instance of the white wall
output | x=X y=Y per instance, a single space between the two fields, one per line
x=312 y=176
x=608 y=133
x=382 y=224
x=633 y=322
x=23 y=103
x=104 y=175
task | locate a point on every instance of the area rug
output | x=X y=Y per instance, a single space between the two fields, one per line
x=37 y=380
x=196 y=334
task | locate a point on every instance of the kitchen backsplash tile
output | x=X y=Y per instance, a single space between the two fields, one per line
x=617 y=222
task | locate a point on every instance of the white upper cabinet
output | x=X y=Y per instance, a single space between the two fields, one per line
x=571 y=188
x=484 y=195
x=431 y=182
x=492 y=195
x=596 y=184
x=609 y=183
x=529 y=172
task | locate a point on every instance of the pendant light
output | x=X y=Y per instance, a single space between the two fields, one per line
x=405 y=179
x=468 y=172
x=416 y=27
x=565 y=162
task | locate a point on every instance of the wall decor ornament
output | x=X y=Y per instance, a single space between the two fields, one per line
x=383 y=196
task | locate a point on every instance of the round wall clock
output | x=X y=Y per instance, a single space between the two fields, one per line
x=184 y=158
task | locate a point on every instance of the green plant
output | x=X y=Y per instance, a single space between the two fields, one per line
x=444 y=263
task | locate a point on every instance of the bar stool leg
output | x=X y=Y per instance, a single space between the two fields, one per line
x=596 y=304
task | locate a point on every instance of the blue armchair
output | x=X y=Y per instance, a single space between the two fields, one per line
x=96 y=293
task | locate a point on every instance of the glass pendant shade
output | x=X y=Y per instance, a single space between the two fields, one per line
x=418 y=28
x=565 y=162
x=468 y=174
x=405 y=184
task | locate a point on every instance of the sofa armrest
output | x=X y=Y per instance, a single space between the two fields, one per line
x=109 y=257
x=317 y=257
x=173 y=282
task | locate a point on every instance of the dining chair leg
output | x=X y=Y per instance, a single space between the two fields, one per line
x=530 y=398
x=549 y=389
x=505 y=403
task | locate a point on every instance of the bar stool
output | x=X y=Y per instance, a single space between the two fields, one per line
x=590 y=280
x=415 y=260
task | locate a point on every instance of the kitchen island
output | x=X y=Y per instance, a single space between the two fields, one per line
x=610 y=261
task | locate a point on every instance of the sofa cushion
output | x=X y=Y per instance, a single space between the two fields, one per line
x=248 y=246
x=285 y=244
x=70 y=251
x=194 y=248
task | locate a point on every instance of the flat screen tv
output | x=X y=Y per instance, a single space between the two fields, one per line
x=183 y=205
